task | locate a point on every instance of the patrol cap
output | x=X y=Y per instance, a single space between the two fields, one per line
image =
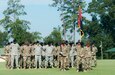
x=41 y=43
x=66 y=42
x=14 y=41
x=37 y=42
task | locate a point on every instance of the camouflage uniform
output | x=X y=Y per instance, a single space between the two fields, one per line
x=68 y=56
x=80 y=58
x=63 y=56
x=32 y=53
x=72 y=54
x=26 y=56
x=21 y=57
x=56 y=56
x=88 y=58
x=14 y=47
x=43 y=55
x=38 y=53
x=94 y=50
x=49 y=55
x=8 y=56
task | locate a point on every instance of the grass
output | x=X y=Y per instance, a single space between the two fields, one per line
x=1 y=51
x=105 y=67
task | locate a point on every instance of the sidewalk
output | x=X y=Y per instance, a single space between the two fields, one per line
x=1 y=59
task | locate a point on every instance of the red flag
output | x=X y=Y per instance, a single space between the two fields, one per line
x=79 y=17
x=80 y=21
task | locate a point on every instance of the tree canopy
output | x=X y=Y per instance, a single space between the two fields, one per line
x=101 y=27
x=69 y=14
x=15 y=27
x=54 y=37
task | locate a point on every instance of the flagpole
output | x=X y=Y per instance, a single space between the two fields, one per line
x=74 y=34
x=80 y=36
x=101 y=50
x=78 y=18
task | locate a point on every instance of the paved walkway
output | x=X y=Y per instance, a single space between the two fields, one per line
x=2 y=59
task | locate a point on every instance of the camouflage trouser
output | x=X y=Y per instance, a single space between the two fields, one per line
x=59 y=61
x=94 y=61
x=14 y=57
x=38 y=59
x=32 y=61
x=43 y=61
x=50 y=59
x=63 y=62
x=67 y=62
x=8 y=61
x=80 y=61
x=21 y=61
x=72 y=61
x=88 y=63
x=27 y=62
x=55 y=60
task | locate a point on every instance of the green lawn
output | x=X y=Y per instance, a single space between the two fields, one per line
x=105 y=67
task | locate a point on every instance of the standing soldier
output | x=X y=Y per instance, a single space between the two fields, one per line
x=49 y=55
x=44 y=45
x=72 y=54
x=7 y=54
x=63 y=56
x=38 y=53
x=26 y=55
x=21 y=56
x=80 y=57
x=94 y=50
x=32 y=54
x=88 y=57
x=14 y=54
x=56 y=55
x=67 y=57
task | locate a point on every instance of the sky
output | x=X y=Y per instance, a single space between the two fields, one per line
x=42 y=17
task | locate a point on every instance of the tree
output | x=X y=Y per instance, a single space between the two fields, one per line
x=14 y=26
x=102 y=26
x=36 y=36
x=3 y=38
x=54 y=37
x=69 y=13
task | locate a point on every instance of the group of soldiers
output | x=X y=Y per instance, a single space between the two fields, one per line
x=41 y=55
